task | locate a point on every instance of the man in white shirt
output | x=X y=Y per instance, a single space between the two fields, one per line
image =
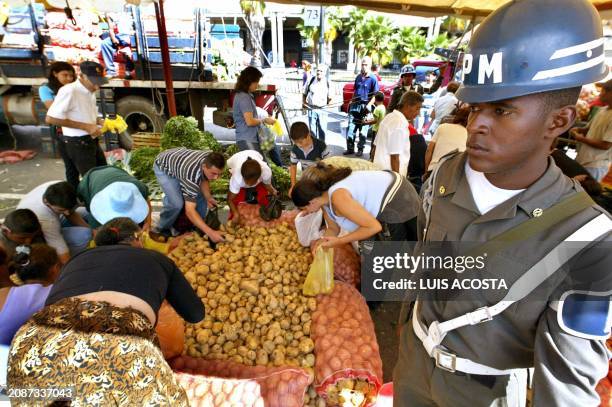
x=595 y=140
x=392 y=140
x=75 y=110
x=444 y=106
x=315 y=98
x=251 y=181
x=54 y=204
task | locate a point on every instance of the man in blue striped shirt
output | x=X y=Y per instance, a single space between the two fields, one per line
x=184 y=177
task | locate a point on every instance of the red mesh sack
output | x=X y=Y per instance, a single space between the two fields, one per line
x=249 y=216
x=604 y=387
x=347 y=265
x=277 y=386
x=170 y=331
x=346 y=350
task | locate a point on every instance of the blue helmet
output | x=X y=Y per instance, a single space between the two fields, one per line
x=533 y=46
x=407 y=70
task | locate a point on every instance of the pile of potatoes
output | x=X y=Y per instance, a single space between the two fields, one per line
x=251 y=287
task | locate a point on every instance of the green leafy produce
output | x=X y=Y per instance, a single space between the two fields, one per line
x=231 y=150
x=281 y=180
x=141 y=163
x=219 y=188
x=183 y=131
x=211 y=143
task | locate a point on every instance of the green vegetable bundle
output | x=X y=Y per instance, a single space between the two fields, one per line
x=141 y=163
x=183 y=131
x=281 y=180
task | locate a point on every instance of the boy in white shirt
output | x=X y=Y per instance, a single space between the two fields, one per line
x=251 y=181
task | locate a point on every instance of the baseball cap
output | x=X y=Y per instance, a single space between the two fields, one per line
x=94 y=72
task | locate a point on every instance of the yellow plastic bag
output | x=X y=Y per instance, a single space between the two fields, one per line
x=149 y=243
x=320 y=278
x=117 y=125
x=276 y=128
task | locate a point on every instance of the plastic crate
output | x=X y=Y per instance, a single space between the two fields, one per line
x=146 y=140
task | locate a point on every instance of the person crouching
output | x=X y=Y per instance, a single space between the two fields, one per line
x=251 y=181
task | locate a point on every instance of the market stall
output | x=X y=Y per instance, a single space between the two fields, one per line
x=263 y=342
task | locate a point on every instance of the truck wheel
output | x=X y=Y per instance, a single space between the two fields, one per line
x=140 y=114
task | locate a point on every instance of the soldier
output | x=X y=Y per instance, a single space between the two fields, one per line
x=406 y=83
x=522 y=77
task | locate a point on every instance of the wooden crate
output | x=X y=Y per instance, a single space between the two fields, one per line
x=146 y=140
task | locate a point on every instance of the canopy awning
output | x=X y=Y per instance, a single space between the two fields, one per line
x=433 y=8
x=101 y=6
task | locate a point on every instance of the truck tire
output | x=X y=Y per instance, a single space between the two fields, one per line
x=140 y=114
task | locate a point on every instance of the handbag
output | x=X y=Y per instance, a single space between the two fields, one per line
x=273 y=210
x=212 y=219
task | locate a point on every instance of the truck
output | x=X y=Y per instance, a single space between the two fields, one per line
x=33 y=36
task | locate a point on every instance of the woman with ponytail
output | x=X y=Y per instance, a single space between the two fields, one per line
x=31 y=270
x=369 y=205
x=100 y=317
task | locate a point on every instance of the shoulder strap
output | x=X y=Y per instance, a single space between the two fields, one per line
x=428 y=191
x=391 y=190
x=309 y=85
x=532 y=278
x=555 y=214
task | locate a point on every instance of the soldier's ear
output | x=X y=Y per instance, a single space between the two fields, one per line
x=561 y=120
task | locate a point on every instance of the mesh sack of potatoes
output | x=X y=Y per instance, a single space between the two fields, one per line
x=348 y=367
x=604 y=387
x=347 y=265
x=355 y=164
x=256 y=315
x=276 y=386
x=170 y=330
x=249 y=216
x=218 y=392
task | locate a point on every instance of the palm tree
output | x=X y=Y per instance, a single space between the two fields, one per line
x=311 y=34
x=376 y=38
x=353 y=25
x=455 y=25
x=254 y=16
x=413 y=44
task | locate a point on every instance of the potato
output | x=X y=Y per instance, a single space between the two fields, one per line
x=251 y=288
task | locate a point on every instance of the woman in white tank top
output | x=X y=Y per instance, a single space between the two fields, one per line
x=359 y=203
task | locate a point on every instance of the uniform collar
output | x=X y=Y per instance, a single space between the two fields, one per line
x=542 y=194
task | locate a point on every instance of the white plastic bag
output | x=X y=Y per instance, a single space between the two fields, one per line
x=308 y=227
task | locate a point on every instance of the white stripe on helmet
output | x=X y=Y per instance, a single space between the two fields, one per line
x=570 y=69
x=577 y=49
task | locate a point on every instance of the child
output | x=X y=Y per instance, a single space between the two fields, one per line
x=307 y=150
x=379 y=114
x=251 y=181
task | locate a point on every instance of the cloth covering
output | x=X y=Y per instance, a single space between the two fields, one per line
x=109 y=355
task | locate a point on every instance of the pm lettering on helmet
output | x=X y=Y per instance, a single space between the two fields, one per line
x=487 y=68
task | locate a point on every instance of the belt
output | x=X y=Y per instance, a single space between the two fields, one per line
x=75 y=139
x=447 y=360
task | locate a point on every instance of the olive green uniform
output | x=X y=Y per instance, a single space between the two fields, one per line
x=527 y=333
